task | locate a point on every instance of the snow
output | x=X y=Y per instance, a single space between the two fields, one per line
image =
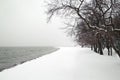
x=116 y=29
x=68 y=63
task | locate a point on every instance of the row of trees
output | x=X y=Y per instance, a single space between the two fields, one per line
x=95 y=23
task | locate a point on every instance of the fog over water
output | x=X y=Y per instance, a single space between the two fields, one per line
x=23 y=23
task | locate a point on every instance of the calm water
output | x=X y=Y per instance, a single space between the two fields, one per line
x=12 y=56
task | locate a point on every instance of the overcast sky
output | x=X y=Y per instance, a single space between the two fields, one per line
x=23 y=23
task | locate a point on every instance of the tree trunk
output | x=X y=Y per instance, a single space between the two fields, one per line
x=100 y=48
x=111 y=51
x=108 y=51
x=116 y=50
x=95 y=48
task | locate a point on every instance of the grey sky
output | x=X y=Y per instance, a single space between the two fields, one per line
x=23 y=23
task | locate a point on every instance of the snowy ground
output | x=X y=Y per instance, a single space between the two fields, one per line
x=68 y=63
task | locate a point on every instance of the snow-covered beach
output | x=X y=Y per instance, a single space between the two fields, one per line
x=68 y=63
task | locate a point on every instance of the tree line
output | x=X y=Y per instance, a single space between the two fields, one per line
x=94 y=23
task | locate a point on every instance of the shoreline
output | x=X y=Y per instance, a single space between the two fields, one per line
x=31 y=57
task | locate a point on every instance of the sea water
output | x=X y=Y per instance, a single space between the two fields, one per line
x=12 y=56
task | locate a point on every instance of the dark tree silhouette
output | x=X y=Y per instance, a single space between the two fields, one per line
x=94 y=23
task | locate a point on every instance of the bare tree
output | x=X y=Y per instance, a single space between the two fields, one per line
x=96 y=23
